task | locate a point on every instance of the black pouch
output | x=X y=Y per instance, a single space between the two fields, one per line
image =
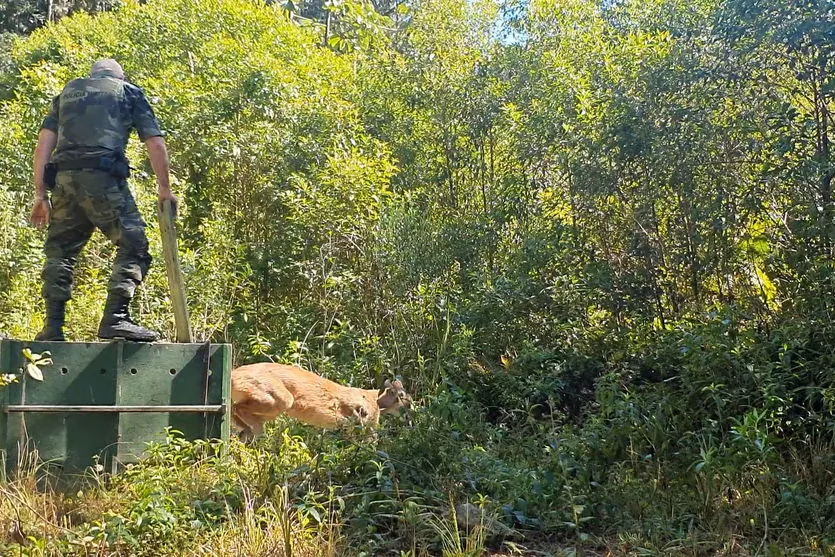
x=116 y=166
x=50 y=171
x=121 y=168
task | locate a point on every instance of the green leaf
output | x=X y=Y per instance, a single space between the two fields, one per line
x=315 y=514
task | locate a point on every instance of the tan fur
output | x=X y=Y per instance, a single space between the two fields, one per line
x=261 y=392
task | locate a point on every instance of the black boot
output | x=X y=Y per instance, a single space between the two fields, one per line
x=116 y=322
x=53 y=327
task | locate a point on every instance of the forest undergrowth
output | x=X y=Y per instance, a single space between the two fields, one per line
x=595 y=241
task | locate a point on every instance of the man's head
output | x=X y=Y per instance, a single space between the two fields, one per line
x=107 y=67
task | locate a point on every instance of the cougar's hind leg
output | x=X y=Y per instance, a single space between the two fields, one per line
x=243 y=424
x=259 y=408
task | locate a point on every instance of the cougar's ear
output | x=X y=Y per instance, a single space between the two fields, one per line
x=387 y=384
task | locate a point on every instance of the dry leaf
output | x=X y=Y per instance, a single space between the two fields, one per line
x=34 y=372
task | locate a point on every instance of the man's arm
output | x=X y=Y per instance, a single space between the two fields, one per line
x=158 y=154
x=149 y=133
x=47 y=139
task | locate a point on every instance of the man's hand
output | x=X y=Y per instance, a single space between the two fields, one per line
x=165 y=194
x=40 y=212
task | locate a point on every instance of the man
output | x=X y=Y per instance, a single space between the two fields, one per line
x=86 y=134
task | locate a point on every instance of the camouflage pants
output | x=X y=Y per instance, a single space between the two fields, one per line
x=82 y=201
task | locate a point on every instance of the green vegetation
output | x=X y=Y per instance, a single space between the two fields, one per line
x=595 y=239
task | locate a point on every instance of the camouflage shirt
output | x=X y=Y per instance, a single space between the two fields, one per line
x=94 y=116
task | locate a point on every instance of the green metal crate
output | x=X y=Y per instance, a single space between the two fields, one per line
x=109 y=399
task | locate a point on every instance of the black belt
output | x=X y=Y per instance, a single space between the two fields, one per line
x=116 y=166
x=96 y=163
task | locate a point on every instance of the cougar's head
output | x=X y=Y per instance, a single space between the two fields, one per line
x=393 y=397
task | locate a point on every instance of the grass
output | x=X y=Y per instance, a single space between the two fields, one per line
x=458 y=489
x=101 y=518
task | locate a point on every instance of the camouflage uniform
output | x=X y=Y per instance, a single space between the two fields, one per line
x=93 y=117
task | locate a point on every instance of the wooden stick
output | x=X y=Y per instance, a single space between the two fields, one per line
x=175 y=274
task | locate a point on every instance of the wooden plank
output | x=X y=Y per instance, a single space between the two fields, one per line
x=211 y=408
x=176 y=286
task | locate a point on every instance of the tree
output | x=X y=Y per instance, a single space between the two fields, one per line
x=23 y=16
